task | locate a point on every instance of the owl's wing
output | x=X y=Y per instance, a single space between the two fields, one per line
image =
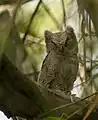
x=41 y=75
x=47 y=74
x=70 y=74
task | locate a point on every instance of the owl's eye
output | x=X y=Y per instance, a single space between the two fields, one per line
x=54 y=43
x=67 y=39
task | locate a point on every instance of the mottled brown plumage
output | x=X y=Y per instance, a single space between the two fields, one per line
x=60 y=66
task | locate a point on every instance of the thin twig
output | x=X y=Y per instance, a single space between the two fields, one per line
x=32 y=17
x=59 y=27
x=64 y=13
x=90 y=43
x=67 y=105
x=91 y=51
x=84 y=48
x=89 y=59
x=77 y=111
x=84 y=45
x=88 y=34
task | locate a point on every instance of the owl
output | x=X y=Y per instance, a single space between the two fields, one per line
x=60 y=66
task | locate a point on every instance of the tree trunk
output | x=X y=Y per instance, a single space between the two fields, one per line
x=22 y=97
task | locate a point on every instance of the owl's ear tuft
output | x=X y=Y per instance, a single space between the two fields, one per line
x=69 y=29
x=48 y=34
x=49 y=40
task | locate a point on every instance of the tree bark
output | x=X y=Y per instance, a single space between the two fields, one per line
x=20 y=96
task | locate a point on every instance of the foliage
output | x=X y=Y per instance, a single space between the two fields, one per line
x=28 y=55
x=42 y=19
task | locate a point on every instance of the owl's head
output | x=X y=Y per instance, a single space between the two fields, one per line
x=61 y=41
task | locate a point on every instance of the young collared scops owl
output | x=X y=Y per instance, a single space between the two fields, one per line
x=60 y=66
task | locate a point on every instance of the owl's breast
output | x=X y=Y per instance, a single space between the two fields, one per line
x=68 y=66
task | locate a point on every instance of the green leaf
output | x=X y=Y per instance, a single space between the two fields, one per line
x=4 y=30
